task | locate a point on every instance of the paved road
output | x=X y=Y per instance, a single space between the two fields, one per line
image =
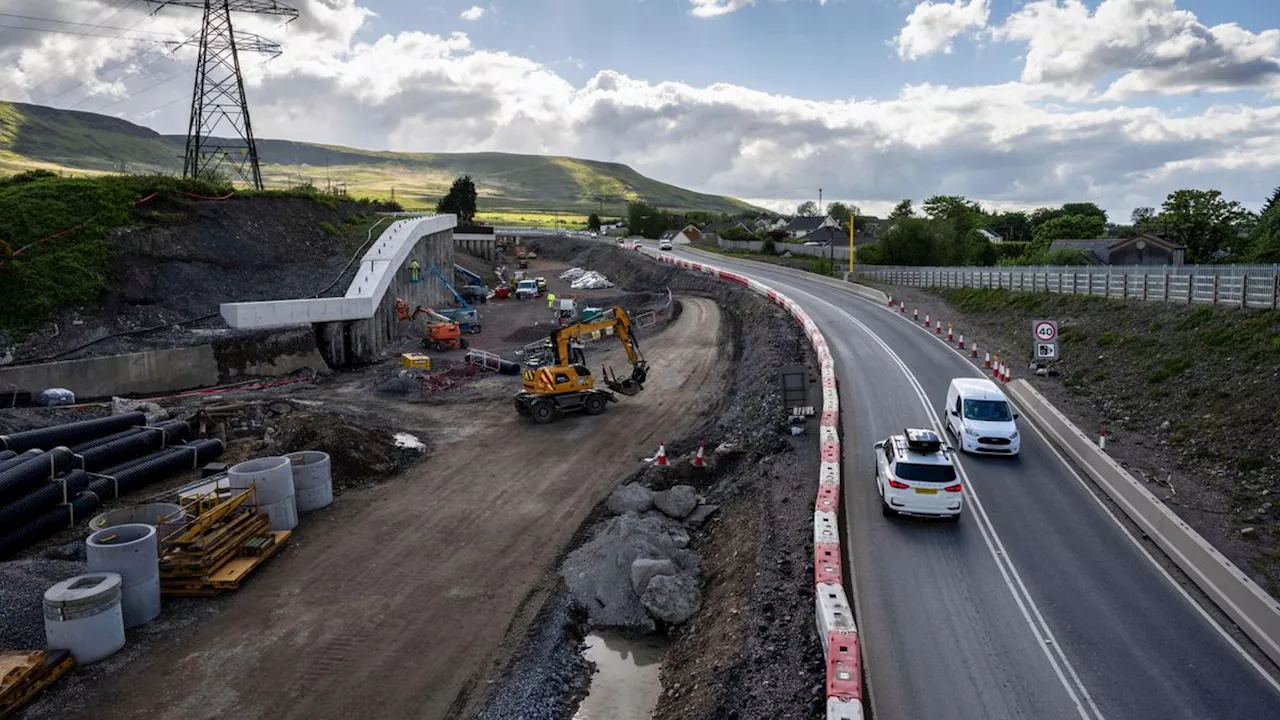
x=1037 y=604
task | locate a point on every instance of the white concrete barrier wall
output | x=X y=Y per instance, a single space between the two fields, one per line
x=833 y=615
x=1256 y=612
x=374 y=276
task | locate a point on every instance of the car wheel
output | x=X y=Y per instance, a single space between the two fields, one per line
x=543 y=412
x=885 y=509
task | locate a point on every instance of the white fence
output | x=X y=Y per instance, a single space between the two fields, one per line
x=1252 y=286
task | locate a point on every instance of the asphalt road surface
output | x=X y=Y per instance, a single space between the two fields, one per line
x=1038 y=603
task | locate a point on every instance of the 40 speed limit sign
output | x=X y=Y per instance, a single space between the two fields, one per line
x=1045 y=333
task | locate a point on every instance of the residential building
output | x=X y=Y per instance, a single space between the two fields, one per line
x=991 y=236
x=688 y=235
x=803 y=225
x=1144 y=249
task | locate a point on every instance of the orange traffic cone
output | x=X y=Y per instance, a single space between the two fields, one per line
x=698 y=460
x=661 y=458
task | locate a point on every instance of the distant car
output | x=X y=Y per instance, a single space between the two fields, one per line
x=541 y=282
x=664 y=245
x=527 y=289
x=636 y=245
x=915 y=476
x=980 y=417
x=622 y=243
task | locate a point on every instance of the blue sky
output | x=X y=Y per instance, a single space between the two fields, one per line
x=1013 y=103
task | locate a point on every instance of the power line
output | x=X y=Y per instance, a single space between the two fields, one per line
x=73 y=23
x=85 y=34
x=165 y=56
x=87 y=24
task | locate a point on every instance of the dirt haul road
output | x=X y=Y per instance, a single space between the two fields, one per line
x=391 y=601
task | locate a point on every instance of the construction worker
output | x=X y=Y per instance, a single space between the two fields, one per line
x=415 y=272
x=551 y=300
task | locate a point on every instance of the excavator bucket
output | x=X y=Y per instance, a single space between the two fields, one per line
x=628 y=386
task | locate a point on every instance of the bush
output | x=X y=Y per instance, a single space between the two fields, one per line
x=328 y=227
x=767 y=247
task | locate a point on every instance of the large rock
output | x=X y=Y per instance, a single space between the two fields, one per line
x=672 y=598
x=630 y=498
x=677 y=502
x=598 y=573
x=645 y=569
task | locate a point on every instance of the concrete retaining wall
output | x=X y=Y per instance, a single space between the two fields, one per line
x=153 y=372
x=1256 y=612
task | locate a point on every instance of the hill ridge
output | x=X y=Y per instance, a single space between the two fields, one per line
x=41 y=136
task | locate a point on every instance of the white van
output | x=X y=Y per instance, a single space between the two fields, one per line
x=981 y=418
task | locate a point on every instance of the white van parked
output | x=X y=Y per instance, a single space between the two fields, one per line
x=981 y=418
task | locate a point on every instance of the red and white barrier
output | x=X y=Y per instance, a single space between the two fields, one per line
x=836 y=629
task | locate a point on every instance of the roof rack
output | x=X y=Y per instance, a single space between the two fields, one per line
x=922 y=440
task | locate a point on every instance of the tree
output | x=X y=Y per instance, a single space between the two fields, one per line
x=1142 y=218
x=911 y=241
x=1205 y=223
x=1067 y=227
x=902 y=210
x=841 y=212
x=1265 y=238
x=808 y=208
x=1011 y=226
x=593 y=222
x=1085 y=210
x=460 y=201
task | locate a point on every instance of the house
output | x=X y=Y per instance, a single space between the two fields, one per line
x=688 y=235
x=840 y=236
x=768 y=224
x=991 y=236
x=803 y=225
x=1144 y=249
x=719 y=229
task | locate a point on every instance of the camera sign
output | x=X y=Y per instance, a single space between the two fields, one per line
x=1046 y=351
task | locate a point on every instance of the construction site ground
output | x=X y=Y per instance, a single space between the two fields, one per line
x=413 y=594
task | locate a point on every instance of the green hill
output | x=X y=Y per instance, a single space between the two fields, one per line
x=33 y=136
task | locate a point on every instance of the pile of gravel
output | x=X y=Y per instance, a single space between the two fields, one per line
x=22 y=586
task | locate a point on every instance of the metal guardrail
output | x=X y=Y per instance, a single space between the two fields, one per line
x=1243 y=286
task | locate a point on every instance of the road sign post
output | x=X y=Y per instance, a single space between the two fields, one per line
x=1045 y=335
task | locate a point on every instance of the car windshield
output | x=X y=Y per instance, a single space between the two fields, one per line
x=925 y=473
x=987 y=410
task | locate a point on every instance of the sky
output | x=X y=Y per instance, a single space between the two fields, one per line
x=1012 y=103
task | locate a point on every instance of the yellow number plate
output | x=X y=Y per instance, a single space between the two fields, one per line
x=926 y=491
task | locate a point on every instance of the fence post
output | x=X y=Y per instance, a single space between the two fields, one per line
x=1275 y=289
x=1166 y=283
x=1124 y=286
x=1108 y=294
x=1244 y=291
x=1089 y=282
x=1214 y=301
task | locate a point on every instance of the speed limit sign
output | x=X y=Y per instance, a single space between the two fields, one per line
x=1045 y=330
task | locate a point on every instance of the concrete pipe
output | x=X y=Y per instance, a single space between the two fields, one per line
x=271 y=476
x=312 y=480
x=83 y=615
x=133 y=551
x=281 y=514
x=166 y=518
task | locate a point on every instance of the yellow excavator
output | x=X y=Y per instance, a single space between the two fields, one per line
x=565 y=385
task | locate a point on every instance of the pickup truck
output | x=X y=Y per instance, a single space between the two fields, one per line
x=527 y=289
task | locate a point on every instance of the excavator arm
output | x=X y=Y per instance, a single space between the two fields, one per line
x=619 y=323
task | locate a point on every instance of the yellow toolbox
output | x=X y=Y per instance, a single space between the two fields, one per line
x=416 y=360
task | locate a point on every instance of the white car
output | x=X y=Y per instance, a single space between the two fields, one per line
x=664 y=245
x=636 y=245
x=622 y=243
x=915 y=476
x=981 y=419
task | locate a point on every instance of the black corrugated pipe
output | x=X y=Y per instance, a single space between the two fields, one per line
x=163 y=464
x=30 y=473
x=90 y=444
x=7 y=455
x=33 y=504
x=127 y=448
x=70 y=433
x=81 y=509
x=18 y=460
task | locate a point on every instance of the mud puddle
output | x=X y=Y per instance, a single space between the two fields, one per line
x=625 y=685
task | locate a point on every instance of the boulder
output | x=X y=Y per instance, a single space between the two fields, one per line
x=677 y=502
x=645 y=569
x=153 y=412
x=700 y=515
x=672 y=598
x=630 y=498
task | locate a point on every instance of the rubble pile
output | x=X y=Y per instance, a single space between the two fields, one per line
x=580 y=279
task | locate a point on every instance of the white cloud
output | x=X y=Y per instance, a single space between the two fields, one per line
x=1158 y=48
x=473 y=13
x=1013 y=144
x=712 y=8
x=932 y=26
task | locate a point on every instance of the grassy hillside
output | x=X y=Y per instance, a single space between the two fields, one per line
x=32 y=136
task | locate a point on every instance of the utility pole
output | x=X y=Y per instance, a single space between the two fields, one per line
x=819 y=202
x=218 y=94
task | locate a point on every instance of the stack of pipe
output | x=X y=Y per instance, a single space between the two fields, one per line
x=70 y=433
